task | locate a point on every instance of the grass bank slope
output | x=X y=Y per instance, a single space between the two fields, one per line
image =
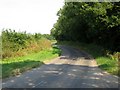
x=17 y=65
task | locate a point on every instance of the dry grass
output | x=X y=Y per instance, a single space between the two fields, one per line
x=32 y=46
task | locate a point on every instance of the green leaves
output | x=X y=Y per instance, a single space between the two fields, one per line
x=21 y=43
x=90 y=22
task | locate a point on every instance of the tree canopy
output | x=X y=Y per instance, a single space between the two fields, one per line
x=89 y=22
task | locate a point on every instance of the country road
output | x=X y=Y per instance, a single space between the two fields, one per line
x=73 y=69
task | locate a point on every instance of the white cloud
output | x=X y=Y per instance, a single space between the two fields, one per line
x=30 y=15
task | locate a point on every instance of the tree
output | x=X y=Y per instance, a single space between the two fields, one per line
x=89 y=22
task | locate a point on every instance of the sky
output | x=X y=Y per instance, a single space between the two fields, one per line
x=32 y=16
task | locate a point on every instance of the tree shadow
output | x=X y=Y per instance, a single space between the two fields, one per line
x=105 y=66
x=74 y=54
x=16 y=68
x=63 y=76
x=97 y=52
x=56 y=50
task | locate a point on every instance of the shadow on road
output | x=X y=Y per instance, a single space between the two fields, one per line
x=16 y=68
x=65 y=72
x=63 y=76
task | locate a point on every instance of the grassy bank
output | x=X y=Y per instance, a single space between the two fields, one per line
x=22 y=51
x=105 y=61
x=16 y=44
x=17 y=65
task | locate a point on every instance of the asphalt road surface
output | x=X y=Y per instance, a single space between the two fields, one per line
x=73 y=69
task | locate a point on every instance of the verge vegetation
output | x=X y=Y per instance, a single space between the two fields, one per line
x=106 y=61
x=22 y=51
x=17 y=65
x=96 y=26
x=22 y=43
x=89 y=22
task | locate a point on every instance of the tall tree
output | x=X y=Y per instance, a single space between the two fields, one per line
x=90 y=22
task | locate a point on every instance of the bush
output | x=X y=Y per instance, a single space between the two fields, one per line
x=21 y=43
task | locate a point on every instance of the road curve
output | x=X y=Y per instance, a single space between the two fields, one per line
x=73 y=69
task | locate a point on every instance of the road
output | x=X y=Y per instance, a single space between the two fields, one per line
x=73 y=69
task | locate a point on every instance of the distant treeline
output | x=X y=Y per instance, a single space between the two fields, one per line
x=21 y=43
x=89 y=22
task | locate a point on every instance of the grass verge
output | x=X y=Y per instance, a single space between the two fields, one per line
x=105 y=62
x=17 y=65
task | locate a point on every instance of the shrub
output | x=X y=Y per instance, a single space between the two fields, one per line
x=21 y=43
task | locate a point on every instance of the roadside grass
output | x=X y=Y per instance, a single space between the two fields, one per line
x=104 y=61
x=17 y=65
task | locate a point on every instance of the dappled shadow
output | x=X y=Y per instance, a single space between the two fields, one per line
x=104 y=66
x=16 y=68
x=107 y=66
x=74 y=58
x=63 y=76
x=73 y=54
x=77 y=54
x=56 y=50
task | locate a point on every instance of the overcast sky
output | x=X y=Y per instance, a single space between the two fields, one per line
x=29 y=15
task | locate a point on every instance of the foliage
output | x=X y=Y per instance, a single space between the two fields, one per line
x=104 y=61
x=89 y=22
x=17 y=65
x=21 y=43
x=22 y=51
x=115 y=56
x=49 y=37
